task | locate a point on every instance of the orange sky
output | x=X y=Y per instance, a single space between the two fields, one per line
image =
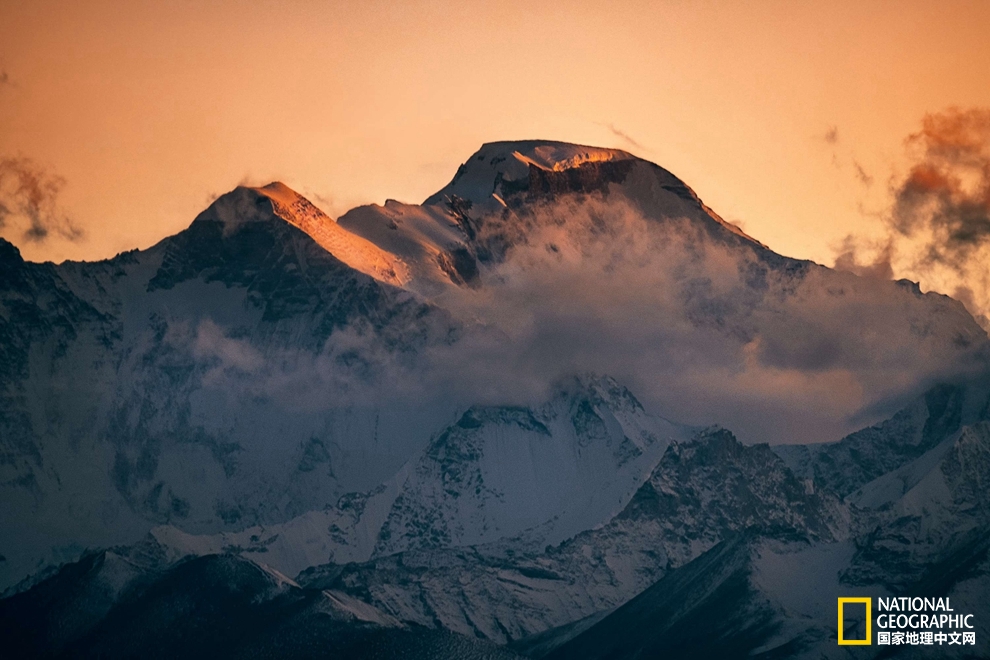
x=147 y=109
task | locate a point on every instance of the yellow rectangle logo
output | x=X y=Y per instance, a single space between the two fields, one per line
x=869 y=616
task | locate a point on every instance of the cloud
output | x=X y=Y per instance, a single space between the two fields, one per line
x=938 y=226
x=946 y=195
x=227 y=354
x=350 y=369
x=851 y=258
x=831 y=138
x=326 y=202
x=625 y=137
x=29 y=202
x=861 y=174
x=701 y=330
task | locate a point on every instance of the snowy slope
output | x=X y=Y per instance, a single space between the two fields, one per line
x=861 y=457
x=921 y=514
x=722 y=550
x=926 y=532
x=564 y=467
x=217 y=606
x=737 y=600
x=703 y=491
x=505 y=174
x=486 y=208
x=354 y=251
x=199 y=382
x=535 y=476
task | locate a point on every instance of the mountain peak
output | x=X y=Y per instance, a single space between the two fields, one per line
x=507 y=174
x=499 y=169
x=550 y=155
x=358 y=253
x=276 y=200
x=9 y=252
x=276 y=190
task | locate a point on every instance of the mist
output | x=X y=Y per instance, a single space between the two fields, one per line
x=702 y=330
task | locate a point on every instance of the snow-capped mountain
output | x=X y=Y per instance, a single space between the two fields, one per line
x=922 y=529
x=194 y=382
x=500 y=195
x=844 y=466
x=451 y=419
x=722 y=551
x=218 y=606
x=497 y=472
x=547 y=472
x=702 y=491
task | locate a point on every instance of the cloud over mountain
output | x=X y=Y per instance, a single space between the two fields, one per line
x=938 y=228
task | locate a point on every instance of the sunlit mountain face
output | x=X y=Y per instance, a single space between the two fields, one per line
x=560 y=409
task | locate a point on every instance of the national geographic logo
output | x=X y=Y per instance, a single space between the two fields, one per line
x=855 y=622
x=903 y=620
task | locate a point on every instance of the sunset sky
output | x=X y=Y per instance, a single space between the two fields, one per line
x=789 y=118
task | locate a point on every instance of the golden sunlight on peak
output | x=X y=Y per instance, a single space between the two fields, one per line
x=785 y=116
x=356 y=252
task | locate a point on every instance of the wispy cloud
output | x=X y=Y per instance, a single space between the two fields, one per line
x=861 y=174
x=625 y=137
x=29 y=202
x=938 y=227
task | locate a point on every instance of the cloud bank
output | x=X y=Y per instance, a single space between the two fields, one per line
x=703 y=331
